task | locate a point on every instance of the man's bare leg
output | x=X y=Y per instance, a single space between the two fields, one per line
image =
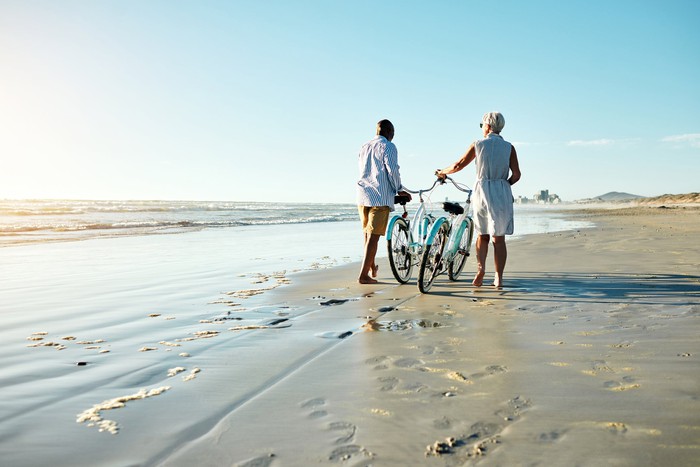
x=374 y=270
x=500 y=254
x=482 y=251
x=371 y=242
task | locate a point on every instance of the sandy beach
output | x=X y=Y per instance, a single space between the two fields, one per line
x=588 y=356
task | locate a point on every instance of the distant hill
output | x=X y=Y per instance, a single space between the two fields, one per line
x=616 y=196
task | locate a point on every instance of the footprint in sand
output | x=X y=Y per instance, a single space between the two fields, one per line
x=514 y=408
x=601 y=366
x=348 y=431
x=489 y=371
x=407 y=362
x=415 y=387
x=626 y=384
x=551 y=437
x=378 y=362
x=346 y=453
x=481 y=430
x=388 y=383
x=481 y=437
x=315 y=406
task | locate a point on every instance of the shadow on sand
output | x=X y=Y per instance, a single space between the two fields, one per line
x=603 y=288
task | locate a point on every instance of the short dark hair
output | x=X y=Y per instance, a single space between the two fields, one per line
x=385 y=128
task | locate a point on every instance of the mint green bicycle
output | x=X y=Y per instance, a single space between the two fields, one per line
x=406 y=237
x=448 y=244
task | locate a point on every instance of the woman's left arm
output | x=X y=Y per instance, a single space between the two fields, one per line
x=514 y=166
x=464 y=161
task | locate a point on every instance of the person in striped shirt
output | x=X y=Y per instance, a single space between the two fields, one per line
x=379 y=183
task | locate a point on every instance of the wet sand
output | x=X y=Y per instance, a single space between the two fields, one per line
x=588 y=356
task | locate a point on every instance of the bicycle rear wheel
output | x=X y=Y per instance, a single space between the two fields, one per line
x=457 y=264
x=398 y=246
x=430 y=266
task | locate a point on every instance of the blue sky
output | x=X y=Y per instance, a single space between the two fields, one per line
x=271 y=100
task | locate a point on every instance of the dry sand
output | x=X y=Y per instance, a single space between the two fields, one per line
x=589 y=356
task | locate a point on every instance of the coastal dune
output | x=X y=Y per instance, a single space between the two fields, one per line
x=588 y=356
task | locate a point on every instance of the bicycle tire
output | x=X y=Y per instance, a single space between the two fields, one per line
x=399 y=250
x=457 y=264
x=432 y=258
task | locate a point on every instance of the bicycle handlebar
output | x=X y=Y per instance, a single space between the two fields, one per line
x=440 y=181
x=421 y=191
x=457 y=185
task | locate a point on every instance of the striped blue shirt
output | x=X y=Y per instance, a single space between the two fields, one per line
x=379 y=173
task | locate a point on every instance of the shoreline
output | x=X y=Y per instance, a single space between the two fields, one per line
x=588 y=356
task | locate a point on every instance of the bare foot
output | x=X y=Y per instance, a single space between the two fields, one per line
x=498 y=282
x=366 y=280
x=375 y=270
x=479 y=278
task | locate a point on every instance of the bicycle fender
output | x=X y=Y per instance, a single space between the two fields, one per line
x=435 y=229
x=390 y=227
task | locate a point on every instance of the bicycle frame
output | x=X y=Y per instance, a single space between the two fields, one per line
x=462 y=221
x=418 y=229
x=446 y=248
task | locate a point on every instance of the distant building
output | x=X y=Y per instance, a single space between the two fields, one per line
x=542 y=197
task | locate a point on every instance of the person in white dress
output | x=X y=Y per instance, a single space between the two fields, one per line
x=497 y=169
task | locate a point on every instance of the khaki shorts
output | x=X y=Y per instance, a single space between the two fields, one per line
x=374 y=219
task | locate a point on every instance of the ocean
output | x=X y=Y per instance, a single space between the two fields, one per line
x=24 y=222
x=31 y=221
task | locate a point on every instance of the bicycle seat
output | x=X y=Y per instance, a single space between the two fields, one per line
x=453 y=208
x=401 y=199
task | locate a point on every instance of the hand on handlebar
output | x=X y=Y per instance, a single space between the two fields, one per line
x=442 y=176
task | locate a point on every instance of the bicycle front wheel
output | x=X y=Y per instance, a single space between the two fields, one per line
x=398 y=246
x=460 y=259
x=431 y=264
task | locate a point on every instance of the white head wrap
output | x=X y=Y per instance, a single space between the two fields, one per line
x=495 y=120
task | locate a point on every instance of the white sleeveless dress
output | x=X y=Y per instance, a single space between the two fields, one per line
x=492 y=200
